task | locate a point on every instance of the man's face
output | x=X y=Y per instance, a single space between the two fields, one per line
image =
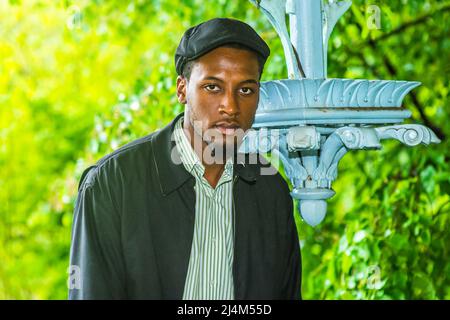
x=221 y=96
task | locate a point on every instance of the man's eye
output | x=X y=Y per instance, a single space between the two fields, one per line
x=247 y=91
x=212 y=87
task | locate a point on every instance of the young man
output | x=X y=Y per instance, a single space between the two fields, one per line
x=179 y=214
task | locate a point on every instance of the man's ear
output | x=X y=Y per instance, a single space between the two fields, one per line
x=181 y=89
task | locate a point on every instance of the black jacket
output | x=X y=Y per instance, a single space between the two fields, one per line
x=134 y=223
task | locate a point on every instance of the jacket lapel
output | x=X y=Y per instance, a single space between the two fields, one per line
x=176 y=187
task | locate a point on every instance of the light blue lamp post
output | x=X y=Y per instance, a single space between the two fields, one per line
x=310 y=121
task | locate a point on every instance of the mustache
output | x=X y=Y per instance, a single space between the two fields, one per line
x=227 y=124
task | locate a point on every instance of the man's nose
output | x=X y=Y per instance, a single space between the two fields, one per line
x=229 y=104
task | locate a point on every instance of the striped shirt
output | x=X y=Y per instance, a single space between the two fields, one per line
x=210 y=272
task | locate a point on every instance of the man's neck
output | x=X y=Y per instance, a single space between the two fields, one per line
x=213 y=169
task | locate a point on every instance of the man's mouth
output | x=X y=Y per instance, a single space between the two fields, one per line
x=227 y=129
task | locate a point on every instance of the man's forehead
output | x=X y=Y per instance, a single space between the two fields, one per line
x=224 y=79
x=224 y=61
x=214 y=73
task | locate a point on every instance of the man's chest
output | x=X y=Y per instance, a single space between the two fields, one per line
x=158 y=236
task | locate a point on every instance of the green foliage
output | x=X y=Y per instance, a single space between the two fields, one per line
x=78 y=79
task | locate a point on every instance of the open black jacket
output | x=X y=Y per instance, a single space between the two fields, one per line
x=134 y=223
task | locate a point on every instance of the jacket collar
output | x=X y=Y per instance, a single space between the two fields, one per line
x=170 y=170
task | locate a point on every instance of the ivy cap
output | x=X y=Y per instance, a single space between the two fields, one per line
x=206 y=36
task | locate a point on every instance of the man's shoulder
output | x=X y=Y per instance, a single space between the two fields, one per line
x=132 y=155
x=140 y=145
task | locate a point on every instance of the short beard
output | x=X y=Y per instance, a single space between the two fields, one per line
x=215 y=152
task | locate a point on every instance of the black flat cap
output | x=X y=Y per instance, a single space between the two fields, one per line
x=214 y=33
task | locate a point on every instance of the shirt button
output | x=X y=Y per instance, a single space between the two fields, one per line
x=212 y=283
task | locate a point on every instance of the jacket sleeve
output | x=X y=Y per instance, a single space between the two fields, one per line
x=292 y=266
x=96 y=268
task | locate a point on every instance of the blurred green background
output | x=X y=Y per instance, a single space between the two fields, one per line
x=78 y=79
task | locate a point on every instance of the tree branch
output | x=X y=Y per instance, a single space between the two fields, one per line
x=412 y=23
